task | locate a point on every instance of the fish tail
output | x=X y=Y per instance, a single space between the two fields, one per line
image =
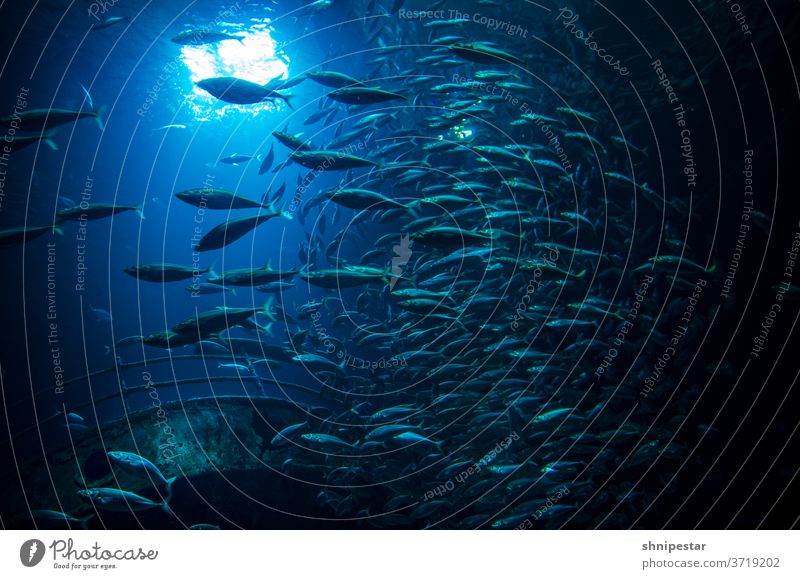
x=98 y=118
x=82 y=521
x=58 y=231
x=165 y=504
x=139 y=211
x=287 y=98
x=233 y=291
x=48 y=139
x=267 y=309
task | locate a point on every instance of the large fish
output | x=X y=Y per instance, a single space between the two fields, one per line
x=240 y=92
x=211 y=323
x=21 y=235
x=212 y=198
x=329 y=160
x=350 y=276
x=19 y=142
x=361 y=95
x=228 y=232
x=266 y=164
x=294 y=142
x=333 y=79
x=250 y=276
x=94 y=211
x=163 y=272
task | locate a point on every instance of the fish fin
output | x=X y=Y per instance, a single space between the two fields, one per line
x=58 y=231
x=240 y=39
x=287 y=98
x=139 y=212
x=581 y=274
x=88 y=97
x=233 y=291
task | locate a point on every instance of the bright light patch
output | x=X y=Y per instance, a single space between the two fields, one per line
x=461 y=132
x=253 y=59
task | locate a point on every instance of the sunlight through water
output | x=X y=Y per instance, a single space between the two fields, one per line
x=254 y=59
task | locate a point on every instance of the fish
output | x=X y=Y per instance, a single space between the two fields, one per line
x=266 y=164
x=240 y=92
x=237 y=159
x=204 y=527
x=283 y=84
x=94 y=211
x=209 y=289
x=140 y=467
x=164 y=272
x=175 y=126
x=213 y=198
x=294 y=142
x=229 y=231
x=110 y=21
x=317 y=116
x=237 y=367
x=48 y=519
x=362 y=199
x=483 y=54
x=211 y=323
x=325 y=440
x=250 y=276
x=285 y=435
x=344 y=278
x=21 y=235
x=116 y=500
x=361 y=95
x=329 y=160
x=333 y=79
x=275 y=286
x=449 y=236
x=203 y=36
x=19 y=142
x=42 y=121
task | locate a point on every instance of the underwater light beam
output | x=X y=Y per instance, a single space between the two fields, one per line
x=254 y=59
